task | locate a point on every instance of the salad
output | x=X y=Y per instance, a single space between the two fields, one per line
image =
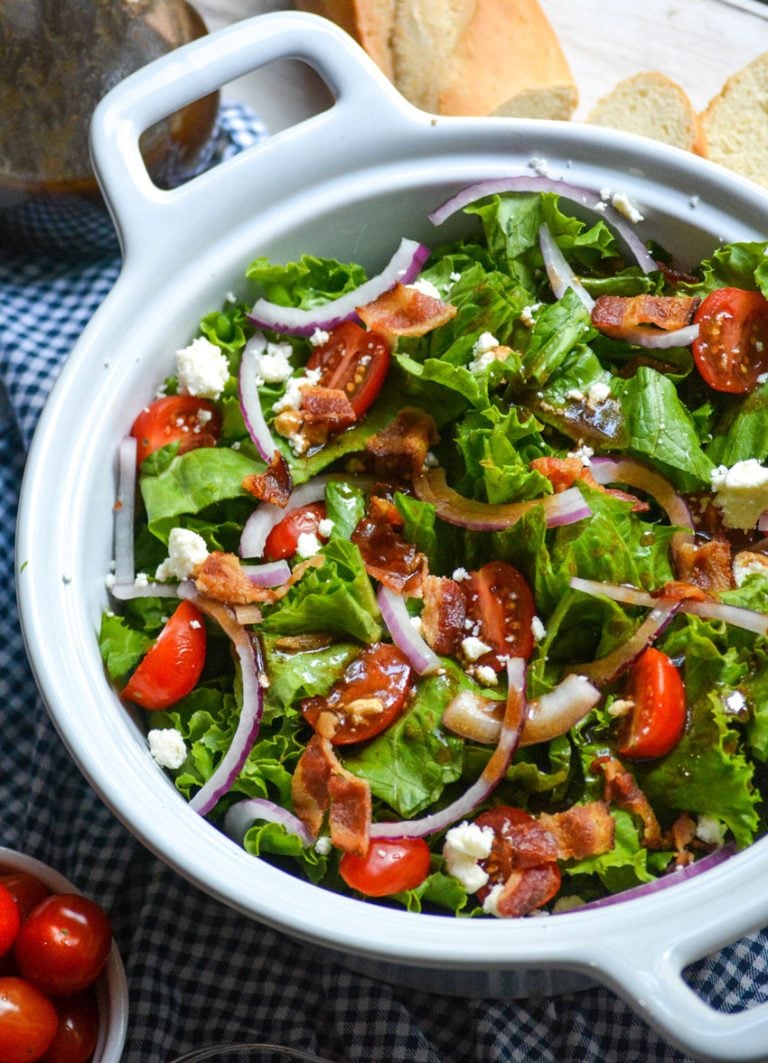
x=448 y=587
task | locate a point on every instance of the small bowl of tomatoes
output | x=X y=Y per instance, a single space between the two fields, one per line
x=63 y=989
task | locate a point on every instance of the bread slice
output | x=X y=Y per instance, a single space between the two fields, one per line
x=736 y=122
x=463 y=57
x=654 y=106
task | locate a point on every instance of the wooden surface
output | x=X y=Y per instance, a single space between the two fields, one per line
x=698 y=43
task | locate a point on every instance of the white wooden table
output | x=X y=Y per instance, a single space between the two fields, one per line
x=698 y=43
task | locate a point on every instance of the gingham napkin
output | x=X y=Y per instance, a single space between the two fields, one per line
x=199 y=972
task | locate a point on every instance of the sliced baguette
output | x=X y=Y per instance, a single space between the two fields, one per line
x=463 y=57
x=736 y=122
x=654 y=106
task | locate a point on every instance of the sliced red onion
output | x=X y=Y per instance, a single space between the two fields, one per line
x=124 y=591
x=241 y=816
x=561 y=276
x=672 y=878
x=610 y=667
x=762 y=523
x=534 y=183
x=271 y=574
x=124 y=510
x=565 y=508
x=423 y=658
x=493 y=772
x=657 y=338
x=250 y=404
x=607 y=470
x=248 y=651
x=404 y=266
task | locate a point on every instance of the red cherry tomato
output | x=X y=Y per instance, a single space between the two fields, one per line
x=27 y=1021
x=64 y=944
x=26 y=890
x=283 y=540
x=368 y=697
x=523 y=859
x=77 y=1030
x=500 y=602
x=171 y=667
x=731 y=350
x=391 y=865
x=10 y=920
x=176 y=419
x=354 y=360
x=656 y=723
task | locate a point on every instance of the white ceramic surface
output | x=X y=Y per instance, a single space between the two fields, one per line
x=111 y=987
x=348 y=182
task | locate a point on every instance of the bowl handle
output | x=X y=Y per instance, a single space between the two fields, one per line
x=148 y=219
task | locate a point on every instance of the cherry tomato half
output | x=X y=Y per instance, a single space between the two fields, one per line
x=176 y=419
x=10 y=920
x=173 y=665
x=731 y=350
x=27 y=1021
x=368 y=697
x=523 y=859
x=64 y=944
x=656 y=723
x=500 y=601
x=391 y=865
x=77 y=1031
x=27 y=890
x=354 y=360
x=283 y=540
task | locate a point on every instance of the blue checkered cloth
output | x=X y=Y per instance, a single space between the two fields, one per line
x=198 y=971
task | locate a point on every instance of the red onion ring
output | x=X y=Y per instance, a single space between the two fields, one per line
x=492 y=774
x=607 y=470
x=561 y=276
x=530 y=183
x=656 y=338
x=404 y=635
x=404 y=266
x=606 y=669
x=124 y=591
x=248 y=651
x=271 y=574
x=124 y=510
x=565 y=508
x=250 y=405
x=241 y=816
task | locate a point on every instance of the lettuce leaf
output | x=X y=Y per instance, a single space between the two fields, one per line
x=307 y=283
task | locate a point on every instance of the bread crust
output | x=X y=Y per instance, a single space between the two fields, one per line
x=370 y=22
x=653 y=105
x=735 y=124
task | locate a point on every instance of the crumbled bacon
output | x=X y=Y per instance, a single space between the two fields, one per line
x=679 y=591
x=615 y=314
x=405 y=311
x=388 y=557
x=274 y=485
x=582 y=830
x=679 y=837
x=320 y=785
x=705 y=565
x=443 y=614
x=621 y=788
x=564 y=472
x=221 y=577
x=400 y=450
x=324 y=412
x=528 y=889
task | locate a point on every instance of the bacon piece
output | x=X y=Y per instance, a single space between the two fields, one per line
x=405 y=311
x=705 y=565
x=274 y=485
x=679 y=837
x=564 y=472
x=675 y=276
x=621 y=788
x=388 y=557
x=443 y=615
x=320 y=785
x=221 y=577
x=614 y=314
x=400 y=450
x=324 y=412
x=581 y=831
x=679 y=591
x=528 y=889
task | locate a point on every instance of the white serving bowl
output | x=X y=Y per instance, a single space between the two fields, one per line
x=111 y=985
x=348 y=182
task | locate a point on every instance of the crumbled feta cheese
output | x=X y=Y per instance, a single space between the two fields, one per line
x=735 y=704
x=485 y=342
x=538 y=629
x=319 y=337
x=539 y=166
x=291 y=399
x=460 y=574
x=109 y=580
x=747 y=564
x=273 y=363
x=473 y=647
x=203 y=415
x=486 y=675
x=623 y=205
x=583 y=453
x=307 y=544
x=323 y=845
x=527 y=314
x=426 y=288
x=575 y=395
x=455 y=277
x=141 y=579
x=709 y=830
x=167 y=747
x=741 y=492
x=417 y=624
x=202 y=369
x=325 y=527
x=490 y=904
x=464 y=845
x=621 y=707
x=186 y=552
x=479 y=365
x=598 y=393
x=431 y=462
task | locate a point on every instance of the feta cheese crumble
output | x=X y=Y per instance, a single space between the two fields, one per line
x=709 y=830
x=202 y=369
x=538 y=630
x=325 y=527
x=426 y=288
x=584 y=454
x=598 y=393
x=186 y=552
x=624 y=206
x=486 y=675
x=319 y=337
x=167 y=747
x=272 y=362
x=323 y=845
x=741 y=492
x=308 y=544
x=473 y=647
x=464 y=845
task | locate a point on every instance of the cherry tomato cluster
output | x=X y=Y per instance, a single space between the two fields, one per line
x=53 y=946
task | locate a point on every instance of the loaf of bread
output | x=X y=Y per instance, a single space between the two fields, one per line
x=735 y=122
x=654 y=106
x=463 y=57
